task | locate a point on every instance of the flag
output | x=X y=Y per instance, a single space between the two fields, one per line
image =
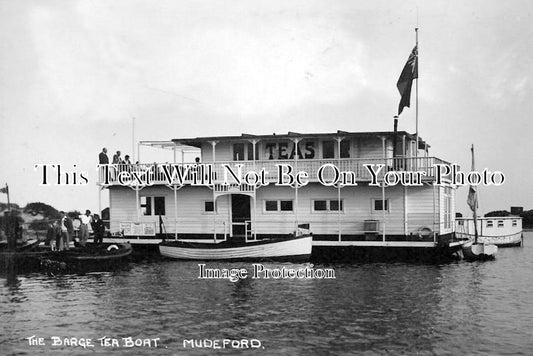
x=4 y=190
x=472 y=192
x=472 y=198
x=409 y=72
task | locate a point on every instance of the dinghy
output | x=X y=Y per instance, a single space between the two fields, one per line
x=285 y=249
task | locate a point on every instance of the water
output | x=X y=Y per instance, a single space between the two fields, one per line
x=369 y=309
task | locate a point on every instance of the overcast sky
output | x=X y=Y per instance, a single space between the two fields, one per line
x=74 y=73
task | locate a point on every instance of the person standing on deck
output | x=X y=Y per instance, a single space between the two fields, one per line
x=58 y=234
x=63 y=224
x=70 y=230
x=84 y=227
x=117 y=159
x=98 y=229
x=102 y=157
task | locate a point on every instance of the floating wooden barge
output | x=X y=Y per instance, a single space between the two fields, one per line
x=351 y=212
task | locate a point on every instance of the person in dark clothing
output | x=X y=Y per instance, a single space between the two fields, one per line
x=102 y=157
x=98 y=229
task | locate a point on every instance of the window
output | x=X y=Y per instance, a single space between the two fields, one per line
x=335 y=205
x=209 y=206
x=328 y=149
x=490 y=223
x=320 y=205
x=153 y=205
x=327 y=205
x=238 y=152
x=146 y=205
x=514 y=223
x=380 y=205
x=345 y=149
x=278 y=205
x=271 y=205
x=500 y=223
x=251 y=152
x=159 y=205
x=286 y=205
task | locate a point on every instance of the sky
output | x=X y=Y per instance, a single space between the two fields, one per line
x=73 y=74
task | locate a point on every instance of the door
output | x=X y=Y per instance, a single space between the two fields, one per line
x=240 y=213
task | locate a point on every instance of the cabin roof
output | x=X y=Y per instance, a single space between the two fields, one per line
x=198 y=141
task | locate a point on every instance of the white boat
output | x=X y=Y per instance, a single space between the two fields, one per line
x=502 y=231
x=476 y=250
x=479 y=251
x=293 y=248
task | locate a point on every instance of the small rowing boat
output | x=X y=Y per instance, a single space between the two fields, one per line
x=286 y=249
x=90 y=256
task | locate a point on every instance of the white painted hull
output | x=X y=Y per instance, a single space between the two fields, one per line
x=295 y=248
x=501 y=241
x=479 y=251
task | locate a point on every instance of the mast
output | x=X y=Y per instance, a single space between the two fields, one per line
x=472 y=199
x=133 y=139
x=416 y=94
x=475 y=202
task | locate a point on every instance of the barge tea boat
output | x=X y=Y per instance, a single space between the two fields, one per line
x=256 y=187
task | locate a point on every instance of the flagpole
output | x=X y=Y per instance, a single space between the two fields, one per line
x=416 y=110
x=133 y=139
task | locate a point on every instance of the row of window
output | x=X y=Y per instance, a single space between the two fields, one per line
x=490 y=223
x=156 y=205
x=317 y=205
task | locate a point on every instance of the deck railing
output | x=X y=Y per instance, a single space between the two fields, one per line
x=348 y=170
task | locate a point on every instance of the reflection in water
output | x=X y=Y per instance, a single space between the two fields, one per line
x=396 y=308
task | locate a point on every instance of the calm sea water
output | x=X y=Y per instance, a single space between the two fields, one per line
x=458 y=308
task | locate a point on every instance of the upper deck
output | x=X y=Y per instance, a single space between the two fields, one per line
x=363 y=157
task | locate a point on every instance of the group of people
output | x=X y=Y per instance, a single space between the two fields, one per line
x=61 y=233
x=117 y=159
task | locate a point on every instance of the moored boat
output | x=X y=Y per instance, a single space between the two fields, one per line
x=473 y=251
x=293 y=248
x=502 y=231
x=89 y=257
x=25 y=258
x=94 y=253
x=476 y=250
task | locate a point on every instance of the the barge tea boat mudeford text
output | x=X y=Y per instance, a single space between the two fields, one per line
x=363 y=194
